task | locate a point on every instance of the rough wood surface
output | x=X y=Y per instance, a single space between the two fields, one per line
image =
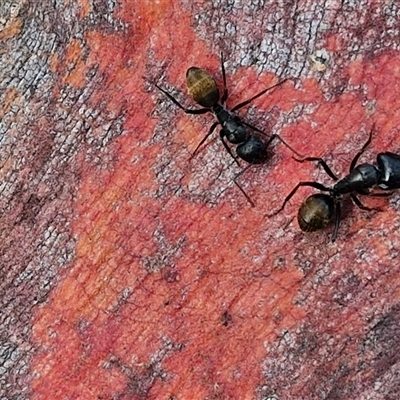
x=131 y=271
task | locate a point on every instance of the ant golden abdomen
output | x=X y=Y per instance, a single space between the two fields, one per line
x=316 y=212
x=202 y=87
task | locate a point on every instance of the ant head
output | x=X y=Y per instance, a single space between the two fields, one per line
x=315 y=212
x=202 y=87
x=253 y=150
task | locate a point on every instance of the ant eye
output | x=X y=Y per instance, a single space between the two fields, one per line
x=389 y=166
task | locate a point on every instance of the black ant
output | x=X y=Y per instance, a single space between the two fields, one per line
x=204 y=90
x=317 y=210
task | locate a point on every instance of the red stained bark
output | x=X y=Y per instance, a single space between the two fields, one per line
x=130 y=270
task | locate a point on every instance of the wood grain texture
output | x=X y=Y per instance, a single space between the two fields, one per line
x=130 y=270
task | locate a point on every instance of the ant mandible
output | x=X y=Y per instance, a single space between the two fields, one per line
x=319 y=209
x=204 y=91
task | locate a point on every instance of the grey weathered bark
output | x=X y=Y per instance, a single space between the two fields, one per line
x=61 y=107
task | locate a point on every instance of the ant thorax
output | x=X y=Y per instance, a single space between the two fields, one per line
x=364 y=176
x=234 y=129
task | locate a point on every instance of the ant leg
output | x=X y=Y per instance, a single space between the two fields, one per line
x=240 y=188
x=275 y=136
x=221 y=135
x=225 y=94
x=315 y=185
x=322 y=163
x=248 y=101
x=338 y=212
x=380 y=194
x=253 y=127
x=243 y=171
x=359 y=154
x=227 y=148
x=383 y=194
x=271 y=138
x=244 y=193
x=210 y=131
x=360 y=205
x=176 y=102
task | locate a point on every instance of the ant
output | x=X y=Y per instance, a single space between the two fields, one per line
x=204 y=91
x=317 y=210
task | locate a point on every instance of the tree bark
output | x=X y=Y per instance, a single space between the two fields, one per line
x=131 y=270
